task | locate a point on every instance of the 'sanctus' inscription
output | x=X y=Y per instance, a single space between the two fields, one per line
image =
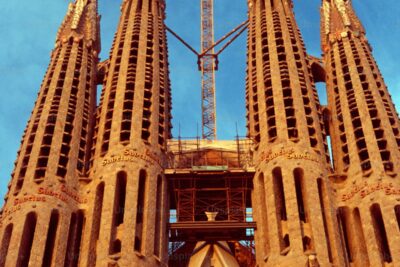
x=62 y=193
x=131 y=155
x=287 y=153
x=366 y=189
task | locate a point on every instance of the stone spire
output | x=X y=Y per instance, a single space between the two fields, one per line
x=291 y=188
x=81 y=20
x=129 y=153
x=338 y=16
x=43 y=193
x=365 y=134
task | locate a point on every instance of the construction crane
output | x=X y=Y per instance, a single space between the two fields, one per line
x=208 y=107
x=207 y=61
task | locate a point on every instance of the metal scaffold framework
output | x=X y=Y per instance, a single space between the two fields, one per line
x=211 y=177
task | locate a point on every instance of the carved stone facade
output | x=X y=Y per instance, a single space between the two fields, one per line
x=43 y=214
x=93 y=185
x=364 y=128
x=291 y=183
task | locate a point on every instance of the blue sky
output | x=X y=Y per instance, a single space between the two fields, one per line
x=28 y=31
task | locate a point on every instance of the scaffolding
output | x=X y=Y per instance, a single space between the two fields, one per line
x=198 y=154
x=210 y=176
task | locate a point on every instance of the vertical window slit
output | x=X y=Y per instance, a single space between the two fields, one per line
x=98 y=206
x=120 y=196
x=360 y=237
x=280 y=206
x=139 y=6
x=69 y=253
x=119 y=211
x=280 y=194
x=298 y=174
x=380 y=233
x=262 y=3
x=5 y=243
x=140 y=213
x=344 y=225
x=77 y=224
x=28 y=234
x=51 y=239
x=324 y=217
x=157 y=235
x=298 y=178
x=264 y=218
x=397 y=212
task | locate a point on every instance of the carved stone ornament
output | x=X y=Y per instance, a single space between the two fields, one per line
x=79 y=6
x=341 y=6
x=92 y=18
x=327 y=16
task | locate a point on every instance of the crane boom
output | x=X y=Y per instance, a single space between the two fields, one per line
x=209 y=128
x=207 y=61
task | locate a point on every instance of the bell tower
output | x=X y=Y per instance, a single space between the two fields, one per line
x=106 y=185
x=295 y=218
x=365 y=132
x=128 y=186
x=41 y=221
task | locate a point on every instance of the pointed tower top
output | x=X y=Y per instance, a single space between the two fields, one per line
x=339 y=18
x=81 y=21
x=78 y=10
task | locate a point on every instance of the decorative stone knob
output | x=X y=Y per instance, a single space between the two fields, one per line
x=211 y=215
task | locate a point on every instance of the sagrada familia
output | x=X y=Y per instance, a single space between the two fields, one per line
x=107 y=185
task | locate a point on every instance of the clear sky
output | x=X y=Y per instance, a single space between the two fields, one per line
x=28 y=29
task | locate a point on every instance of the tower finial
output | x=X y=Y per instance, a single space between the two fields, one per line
x=81 y=21
x=341 y=7
x=79 y=6
x=339 y=16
